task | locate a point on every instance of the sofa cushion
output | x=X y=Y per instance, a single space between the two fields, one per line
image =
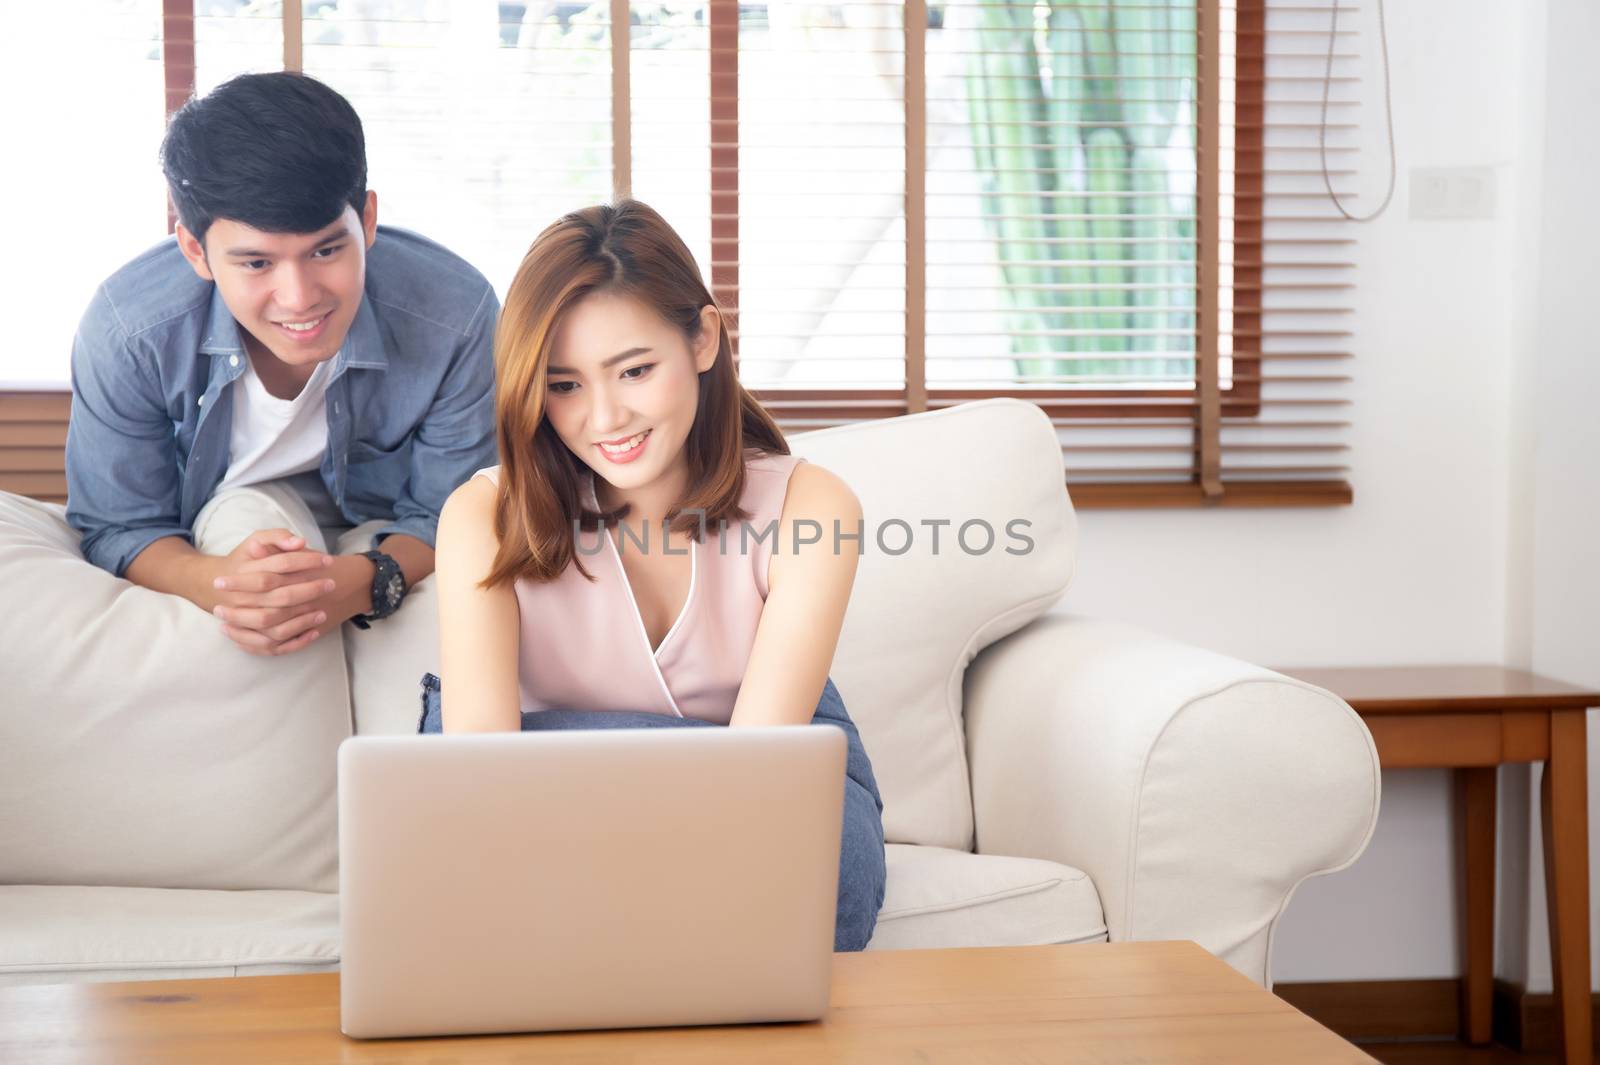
x=917 y=618
x=68 y=934
x=945 y=898
x=140 y=747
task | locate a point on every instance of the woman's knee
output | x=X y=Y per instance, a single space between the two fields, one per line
x=863 y=874
x=858 y=767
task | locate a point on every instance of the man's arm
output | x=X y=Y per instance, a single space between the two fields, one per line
x=122 y=467
x=454 y=441
x=353 y=574
x=172 y=566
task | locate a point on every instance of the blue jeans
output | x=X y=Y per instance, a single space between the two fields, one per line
x=861 y=862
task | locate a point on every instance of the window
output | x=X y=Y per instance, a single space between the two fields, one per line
x=483 y=121
x=84 y=177
x=1114 y=208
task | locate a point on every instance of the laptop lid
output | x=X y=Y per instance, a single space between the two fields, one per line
x=587 y=879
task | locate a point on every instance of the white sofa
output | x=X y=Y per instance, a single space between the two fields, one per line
x=167 y=802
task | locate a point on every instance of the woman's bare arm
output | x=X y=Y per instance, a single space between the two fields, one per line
x=807 y=592
x=478 y=628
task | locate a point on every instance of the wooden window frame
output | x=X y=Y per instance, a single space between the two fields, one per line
x=177 y=66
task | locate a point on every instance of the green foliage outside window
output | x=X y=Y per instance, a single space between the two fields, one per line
x=1082 y=121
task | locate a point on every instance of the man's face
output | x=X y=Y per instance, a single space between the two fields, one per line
x=295 y=294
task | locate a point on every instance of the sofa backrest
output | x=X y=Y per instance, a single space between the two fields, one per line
x=917 y=618
x=139 y=747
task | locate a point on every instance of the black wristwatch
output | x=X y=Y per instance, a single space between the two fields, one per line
x=388 y=589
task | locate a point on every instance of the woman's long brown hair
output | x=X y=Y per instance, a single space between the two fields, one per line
x=624 y=248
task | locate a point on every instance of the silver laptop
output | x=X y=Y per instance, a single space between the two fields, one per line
x=587 y=879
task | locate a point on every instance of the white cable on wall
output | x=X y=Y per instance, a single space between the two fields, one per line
x=1388 y=116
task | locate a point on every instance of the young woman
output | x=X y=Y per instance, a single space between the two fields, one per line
x=634 y=560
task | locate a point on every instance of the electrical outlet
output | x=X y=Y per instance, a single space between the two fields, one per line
x=1452 y=192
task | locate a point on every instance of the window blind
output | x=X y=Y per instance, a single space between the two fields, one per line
x=1112 y=208
x=1063 y=217
x=772 y=136
x=821 y=207
x=484 y=121
x=84 y=167
x=1287 y=273
x=33 y=441
x=88 y=87
x=1098 y=212
x=226 y=39
x=1274 y=427
x=669 y=117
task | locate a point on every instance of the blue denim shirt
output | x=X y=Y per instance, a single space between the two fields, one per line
x=410 y=403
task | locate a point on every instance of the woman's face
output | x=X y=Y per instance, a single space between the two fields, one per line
x=623 y=387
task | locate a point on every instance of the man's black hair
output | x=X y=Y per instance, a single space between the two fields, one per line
x=281 y=153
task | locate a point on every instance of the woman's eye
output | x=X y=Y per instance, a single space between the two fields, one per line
x=561 y=388
x=638 y=371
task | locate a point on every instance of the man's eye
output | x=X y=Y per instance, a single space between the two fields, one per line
x=561 y=388
x=328 y=252
x=254 y=264
x=639 y=370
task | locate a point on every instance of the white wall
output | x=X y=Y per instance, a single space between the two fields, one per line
x=1433 y=563
x=1555 y=403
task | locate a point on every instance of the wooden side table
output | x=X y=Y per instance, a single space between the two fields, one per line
x=1472 y=719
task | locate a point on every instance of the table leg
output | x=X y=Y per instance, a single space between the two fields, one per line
x=1563 y=800
x=1475 y=816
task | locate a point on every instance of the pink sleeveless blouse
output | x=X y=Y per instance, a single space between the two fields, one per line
x=583 y=644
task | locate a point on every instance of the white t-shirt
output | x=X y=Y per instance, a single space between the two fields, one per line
x=272 y=437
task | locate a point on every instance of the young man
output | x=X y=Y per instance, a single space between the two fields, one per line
x=282 y=342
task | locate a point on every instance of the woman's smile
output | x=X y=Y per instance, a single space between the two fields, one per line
x=627 y=450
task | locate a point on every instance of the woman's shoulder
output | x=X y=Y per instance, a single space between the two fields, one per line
x=758 y=461
x=478 y=494
x=467 y=519
x=817 y=492
x=822 y=501
x=804 y=481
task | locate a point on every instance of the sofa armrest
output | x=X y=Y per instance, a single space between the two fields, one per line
x=1196 y=790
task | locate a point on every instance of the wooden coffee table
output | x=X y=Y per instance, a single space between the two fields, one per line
x=1168 y=1002
x=1473 y=719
